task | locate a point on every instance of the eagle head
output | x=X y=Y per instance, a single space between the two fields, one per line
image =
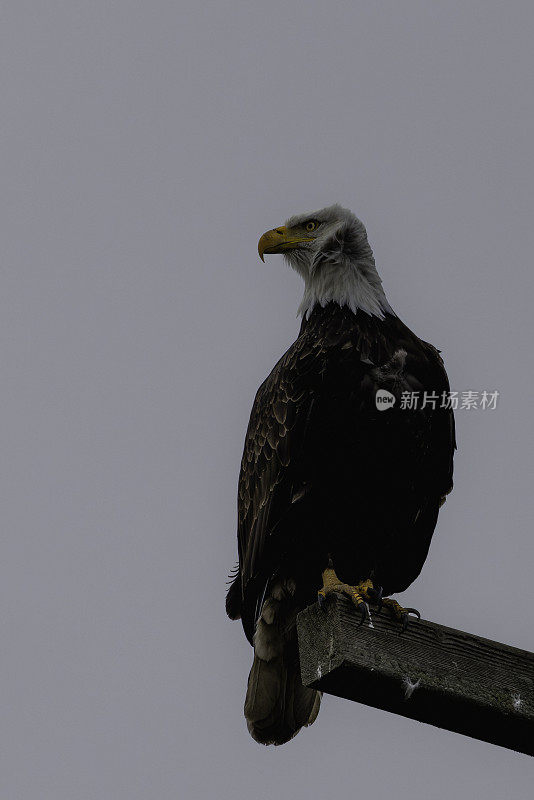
x=330 y=250
x=307 y=238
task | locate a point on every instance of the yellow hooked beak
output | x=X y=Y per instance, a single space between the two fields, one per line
x=279 y=240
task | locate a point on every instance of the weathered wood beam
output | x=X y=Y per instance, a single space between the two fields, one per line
x=430 y=673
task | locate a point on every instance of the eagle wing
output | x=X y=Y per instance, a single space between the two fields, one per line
x=273 y=469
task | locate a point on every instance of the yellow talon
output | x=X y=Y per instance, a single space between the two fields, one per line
x=398 y=612
x=359 y=594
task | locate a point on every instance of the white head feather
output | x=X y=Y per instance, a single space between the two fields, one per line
x=338 y=264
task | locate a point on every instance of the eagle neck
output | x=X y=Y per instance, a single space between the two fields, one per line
x=346 y=282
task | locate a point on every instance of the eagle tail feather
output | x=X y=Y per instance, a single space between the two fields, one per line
x=277 y=705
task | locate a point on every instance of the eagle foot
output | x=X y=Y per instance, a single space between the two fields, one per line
x=360 y=594
x=399 y=613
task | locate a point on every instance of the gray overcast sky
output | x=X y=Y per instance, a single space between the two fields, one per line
x=146 y=146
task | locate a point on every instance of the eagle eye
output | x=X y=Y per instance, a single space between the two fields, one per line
x=311 y=225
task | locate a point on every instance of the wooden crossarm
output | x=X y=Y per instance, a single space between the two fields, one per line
x=430 y=673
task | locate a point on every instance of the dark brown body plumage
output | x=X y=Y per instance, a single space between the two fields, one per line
x=324 y=472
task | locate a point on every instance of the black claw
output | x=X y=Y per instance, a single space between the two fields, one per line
x=376 y=596
x=363 y=613
x=406 y=617
x=322 y=601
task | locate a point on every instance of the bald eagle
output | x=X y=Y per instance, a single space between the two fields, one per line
x=335 y=494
